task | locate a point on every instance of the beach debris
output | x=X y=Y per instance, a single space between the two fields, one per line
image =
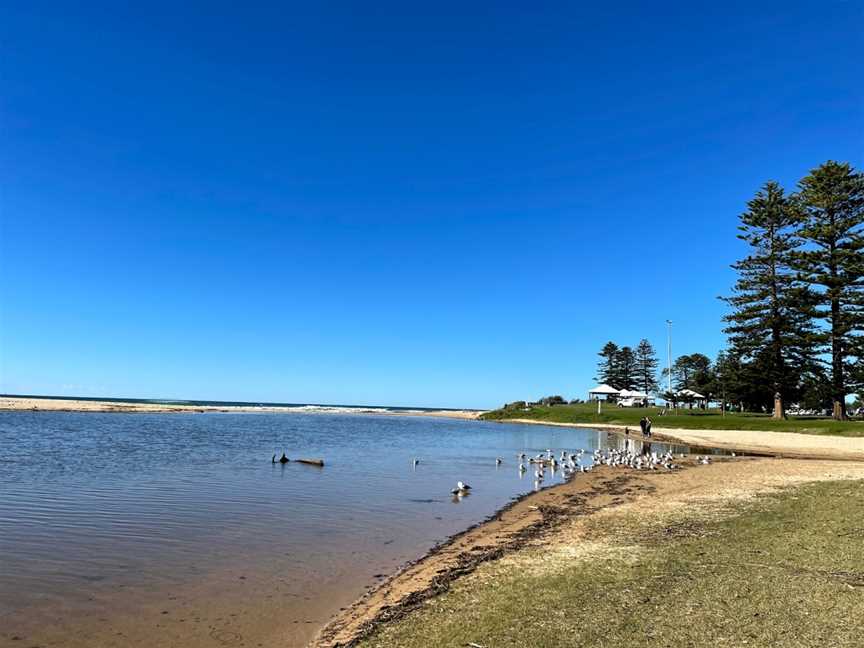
x=284 y=459
x=471 y=644
x=311 y=462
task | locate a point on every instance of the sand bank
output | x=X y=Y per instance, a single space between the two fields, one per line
x=554 y=520
x=14 y=403
x=777 y=444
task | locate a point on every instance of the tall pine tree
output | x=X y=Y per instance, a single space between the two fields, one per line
x=692 y=372
x=607 y=368
x=625 y=375
x=771 y=319
x=831 y=200
x=646 y=367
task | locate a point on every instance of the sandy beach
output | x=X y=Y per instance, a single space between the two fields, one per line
x=776 y=444
x=553 y=523
x=14 y=403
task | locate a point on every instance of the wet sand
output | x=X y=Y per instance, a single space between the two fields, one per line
x=776 y=444
x=552 y=519
x=191 y=615
x=144 y=529
x=511 y=528
x=71 y=405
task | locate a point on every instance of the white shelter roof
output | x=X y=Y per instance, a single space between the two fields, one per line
x=604 y=389
x=691 y=393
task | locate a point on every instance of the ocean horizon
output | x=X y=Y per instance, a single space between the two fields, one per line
x=233 y=403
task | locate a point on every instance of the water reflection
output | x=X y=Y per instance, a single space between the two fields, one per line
x=136 y=504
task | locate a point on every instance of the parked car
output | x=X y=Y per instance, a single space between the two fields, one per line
x=631 y=402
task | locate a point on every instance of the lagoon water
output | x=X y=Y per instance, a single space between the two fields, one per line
x=176 y=529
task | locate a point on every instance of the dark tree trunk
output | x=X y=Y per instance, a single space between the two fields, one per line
x=779 y=410
x=776 y=339
x=838 y=387
x=838 y=395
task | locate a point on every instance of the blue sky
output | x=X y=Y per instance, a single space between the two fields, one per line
x=382 y=203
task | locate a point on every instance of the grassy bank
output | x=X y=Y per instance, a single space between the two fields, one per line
x=687 y=419
x=784 y=569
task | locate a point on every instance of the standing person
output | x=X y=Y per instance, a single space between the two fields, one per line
x=643 y=424
x=648 y=427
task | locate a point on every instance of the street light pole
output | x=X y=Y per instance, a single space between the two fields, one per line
x=669 y=356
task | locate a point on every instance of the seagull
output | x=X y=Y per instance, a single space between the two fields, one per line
x=461 y=489
x=416 y=461
x=283 y=459
x=499 y=461
x=521 y=467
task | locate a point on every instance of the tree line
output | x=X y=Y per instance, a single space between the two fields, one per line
x=629 y=368
x=796 y=324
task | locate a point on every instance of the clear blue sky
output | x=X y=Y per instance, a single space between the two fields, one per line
x=383 y=203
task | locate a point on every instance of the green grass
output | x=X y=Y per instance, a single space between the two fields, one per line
x=784 y=570
x=688 y=419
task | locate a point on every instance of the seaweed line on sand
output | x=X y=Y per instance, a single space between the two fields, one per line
x=364 y=616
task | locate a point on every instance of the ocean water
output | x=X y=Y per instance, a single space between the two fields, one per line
x=176 y=529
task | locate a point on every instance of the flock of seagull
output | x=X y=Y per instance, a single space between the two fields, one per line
x=572 y=463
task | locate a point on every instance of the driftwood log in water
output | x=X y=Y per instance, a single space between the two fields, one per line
x=311 y=462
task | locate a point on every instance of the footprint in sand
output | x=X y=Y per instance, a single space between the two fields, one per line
x=226 y=637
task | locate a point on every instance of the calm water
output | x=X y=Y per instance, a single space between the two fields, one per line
x=108 y=518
